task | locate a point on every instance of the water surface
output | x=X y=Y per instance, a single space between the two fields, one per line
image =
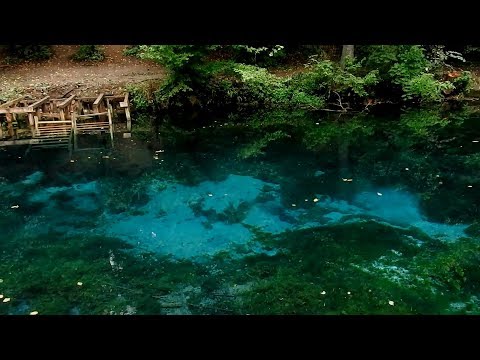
x=362 y=214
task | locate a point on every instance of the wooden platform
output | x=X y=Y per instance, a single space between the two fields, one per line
x=58 y=122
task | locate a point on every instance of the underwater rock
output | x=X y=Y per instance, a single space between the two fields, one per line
x=34 y=178
x=396 y=208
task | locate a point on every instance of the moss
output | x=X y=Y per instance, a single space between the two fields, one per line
x=48 y=282
x=234 y=214
x=473 y=230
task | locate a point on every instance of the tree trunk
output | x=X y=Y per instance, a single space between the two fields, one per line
x=347 y=51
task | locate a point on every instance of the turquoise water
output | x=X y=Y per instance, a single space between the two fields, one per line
x=336 y=215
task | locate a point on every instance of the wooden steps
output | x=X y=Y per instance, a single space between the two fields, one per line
x=52 y=134
x=92 y=127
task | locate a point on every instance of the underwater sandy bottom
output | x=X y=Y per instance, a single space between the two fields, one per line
x=168 y=224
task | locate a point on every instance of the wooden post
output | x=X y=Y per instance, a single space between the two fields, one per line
x=15 y=128
x=9 y=124
x=35 y=119
x=110 y=125
x=30 y=120
x=74 y=128
x=98 y=106
x=124 y=104
x=129 y=120
x=31 y=123
x=70 y=139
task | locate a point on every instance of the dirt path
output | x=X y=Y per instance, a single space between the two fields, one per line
x=60 y=74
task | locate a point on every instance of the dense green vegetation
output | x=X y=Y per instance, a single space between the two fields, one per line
x=16 y=53
x=89 y=53
x=236 y=75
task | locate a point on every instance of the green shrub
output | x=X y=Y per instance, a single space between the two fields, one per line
x=28 y=52
x=268 y=55
x=89 y=53
x=132 y=50
x=425 y=88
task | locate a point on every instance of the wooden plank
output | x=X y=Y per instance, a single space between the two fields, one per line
x=97 y=101
x=38 y=103
x=11 y=102
x=84 y=126
x=109 y=97
x=51 y=115
x=18 y=110
x=68 y=91
x=55 y=131
x=87 y=98
x=115 y=97
x=54 y=140
x=66 y=102
x=55 y=122
x=92 y=115
x=40 y=146
x=63 y=134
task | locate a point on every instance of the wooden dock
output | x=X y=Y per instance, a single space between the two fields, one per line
x=56 y=123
